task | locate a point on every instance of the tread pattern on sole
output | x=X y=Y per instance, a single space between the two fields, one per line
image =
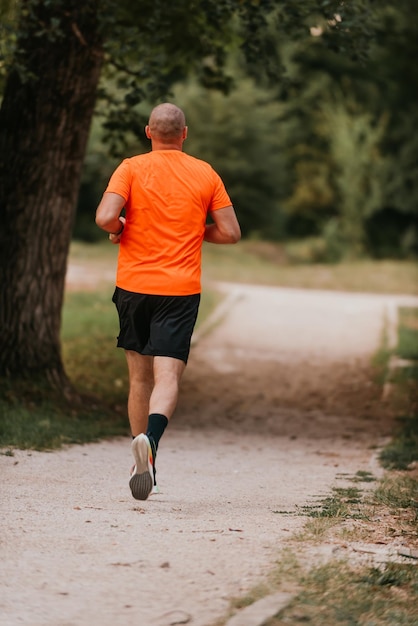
x=141 y=485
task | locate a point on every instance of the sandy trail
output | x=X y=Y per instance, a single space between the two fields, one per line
x=277 y=406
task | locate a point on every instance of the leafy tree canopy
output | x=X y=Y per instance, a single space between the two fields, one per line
x=150 y=45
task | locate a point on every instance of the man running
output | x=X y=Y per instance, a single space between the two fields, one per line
x=167 y=196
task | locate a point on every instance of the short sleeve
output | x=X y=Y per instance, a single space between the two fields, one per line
x=121 y=180
x=220 y=198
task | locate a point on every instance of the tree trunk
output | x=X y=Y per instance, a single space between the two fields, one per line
x=44 y=125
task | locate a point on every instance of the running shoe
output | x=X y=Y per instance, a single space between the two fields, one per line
x=142 y=478
x=155 y=488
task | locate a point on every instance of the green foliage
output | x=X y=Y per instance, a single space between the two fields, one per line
x=347 y=137
x=315 y=146
x=354 y=141
x=98 y=167
x=153 y=44
x=8 y=28
x=408 y=333
x=403 y=449
x=231 y=134
x=249 y=136
x=300 y=159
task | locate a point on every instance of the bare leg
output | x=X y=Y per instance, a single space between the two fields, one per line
x=167 y=375
x=141 y=382
x=154 y=388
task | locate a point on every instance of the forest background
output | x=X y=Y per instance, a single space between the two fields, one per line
x=327 y=154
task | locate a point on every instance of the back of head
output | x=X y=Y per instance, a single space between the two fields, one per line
x=167 y=122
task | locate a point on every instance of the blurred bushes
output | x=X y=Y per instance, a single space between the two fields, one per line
x=327 y=157
x=98 y=167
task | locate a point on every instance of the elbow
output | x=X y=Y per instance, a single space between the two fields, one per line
x=230 y=233
x=231 y=236
x=98 y=221
x=101 y=217
x=235 y=235
x=103 y=220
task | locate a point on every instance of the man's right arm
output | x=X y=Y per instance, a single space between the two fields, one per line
x=108 y=215
x=225 y=228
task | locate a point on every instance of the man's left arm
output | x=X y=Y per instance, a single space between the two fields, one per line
x=225 y=228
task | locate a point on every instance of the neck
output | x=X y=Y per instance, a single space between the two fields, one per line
x=158 y=145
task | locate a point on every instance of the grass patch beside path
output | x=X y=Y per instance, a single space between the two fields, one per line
x=46 y=427
x=337 y=594
x=402 y=451
x=352 y=588
x=401 y=383
x=264 y=263
x=33 y=418
x=408 y=333
x=349 y=592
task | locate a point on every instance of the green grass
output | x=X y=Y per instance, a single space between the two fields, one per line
x=32 y=417
x=336 y=594
x=402 y=451
x=268 y=264
x=398 y=491
x=338 y=505
x=408 y=333
x=89 y=330
x=46 y=427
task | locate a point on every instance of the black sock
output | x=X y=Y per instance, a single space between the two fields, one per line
x=157 y=424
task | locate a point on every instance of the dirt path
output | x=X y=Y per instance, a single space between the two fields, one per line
x=276 y=406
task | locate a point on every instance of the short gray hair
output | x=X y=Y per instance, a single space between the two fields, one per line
x=167 y=121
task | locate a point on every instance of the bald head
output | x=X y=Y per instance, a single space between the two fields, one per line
x=167 y=123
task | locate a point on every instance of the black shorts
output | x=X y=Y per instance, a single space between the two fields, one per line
x=156 y=325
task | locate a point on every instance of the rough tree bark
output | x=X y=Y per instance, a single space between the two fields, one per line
x=44 y=125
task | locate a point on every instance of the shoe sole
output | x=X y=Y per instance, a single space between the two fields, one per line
x=141 y=483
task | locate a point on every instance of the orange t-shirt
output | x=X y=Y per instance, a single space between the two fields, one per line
x=168 y=194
